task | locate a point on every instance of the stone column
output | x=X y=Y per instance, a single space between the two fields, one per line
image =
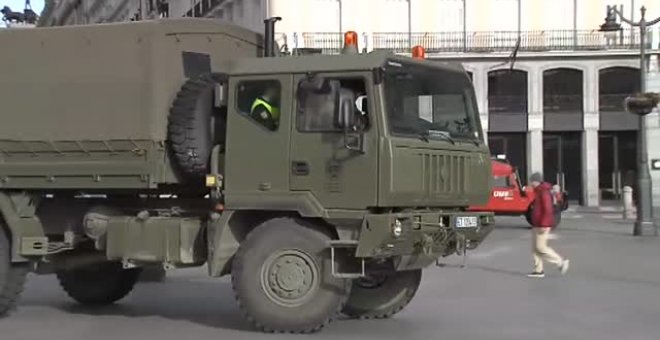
x=534 y=121
x=590 y=187
x=653 y=135
x=480 y=83
x=484 y=126
x=653 y=142
x=591 y=122
x=534 y=151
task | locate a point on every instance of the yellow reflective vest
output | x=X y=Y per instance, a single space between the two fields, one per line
x=274 y=112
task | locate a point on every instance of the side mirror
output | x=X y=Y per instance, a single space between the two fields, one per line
x=346 y=114
x=346 y=120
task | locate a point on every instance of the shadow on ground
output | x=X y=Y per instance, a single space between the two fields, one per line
x=208 y=303
x=200 y=300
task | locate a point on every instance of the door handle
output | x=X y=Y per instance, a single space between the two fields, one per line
x=300 y=168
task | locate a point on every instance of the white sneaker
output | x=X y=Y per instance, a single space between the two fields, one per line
x=564 y=266
x=536 y=274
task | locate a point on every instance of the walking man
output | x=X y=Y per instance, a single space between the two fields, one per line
x=542 y=222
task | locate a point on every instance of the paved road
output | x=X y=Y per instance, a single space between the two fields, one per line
x=611 y=292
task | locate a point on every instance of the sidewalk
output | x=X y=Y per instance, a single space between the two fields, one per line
x=608 y=210
x=605 y=207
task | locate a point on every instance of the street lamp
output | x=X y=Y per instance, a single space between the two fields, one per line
x=644 y=224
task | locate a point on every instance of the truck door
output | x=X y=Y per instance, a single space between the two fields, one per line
x=257 y=171
x=321 y=164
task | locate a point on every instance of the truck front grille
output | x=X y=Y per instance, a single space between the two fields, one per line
x=445 y=174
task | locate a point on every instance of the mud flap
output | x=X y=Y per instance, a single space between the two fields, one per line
x=222 y=243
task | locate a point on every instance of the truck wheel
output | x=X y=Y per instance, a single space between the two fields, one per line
x=12 y=277
x=153 y=274
x=195 y=125
x=282 y=278
x=528 y=216
x=382 y=296
x=98 y=284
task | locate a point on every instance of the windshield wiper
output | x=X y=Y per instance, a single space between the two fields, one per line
x=446 y=136
x=424 y=135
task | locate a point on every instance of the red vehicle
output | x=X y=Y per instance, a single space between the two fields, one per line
x=510 y=198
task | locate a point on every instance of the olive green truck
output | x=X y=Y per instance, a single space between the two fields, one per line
x=129 y=145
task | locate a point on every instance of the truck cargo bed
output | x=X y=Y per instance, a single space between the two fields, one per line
x=80 y=164
x=88 y=106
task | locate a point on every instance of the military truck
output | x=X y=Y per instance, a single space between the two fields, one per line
x=127 y=145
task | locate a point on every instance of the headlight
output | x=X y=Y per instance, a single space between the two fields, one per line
x=397 y=228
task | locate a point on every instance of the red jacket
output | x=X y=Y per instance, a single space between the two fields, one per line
x=543 y=214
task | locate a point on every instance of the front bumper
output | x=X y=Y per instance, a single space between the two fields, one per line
x=425 y=235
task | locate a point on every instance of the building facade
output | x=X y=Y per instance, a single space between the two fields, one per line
x=557 y=109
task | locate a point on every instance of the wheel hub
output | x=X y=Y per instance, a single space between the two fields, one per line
x=289 y=277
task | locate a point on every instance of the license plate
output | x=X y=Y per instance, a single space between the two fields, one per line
x=466 y=222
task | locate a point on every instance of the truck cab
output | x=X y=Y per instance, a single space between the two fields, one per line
x=354 y=132
x=509 y=197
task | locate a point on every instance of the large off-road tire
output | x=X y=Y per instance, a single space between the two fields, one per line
x=195 y=126
x=153 y=274
x=12 y=276
x=282 y=278
x=98 y=284
x=380 y=296
x=528 y=216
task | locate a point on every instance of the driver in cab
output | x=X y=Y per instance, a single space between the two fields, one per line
x=265 y=108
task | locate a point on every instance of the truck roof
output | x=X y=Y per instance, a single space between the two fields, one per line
x=329 y=63
x=244 y=66
x=166 y=26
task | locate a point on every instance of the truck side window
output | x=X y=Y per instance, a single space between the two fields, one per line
x=317 y=109
x=260 y=101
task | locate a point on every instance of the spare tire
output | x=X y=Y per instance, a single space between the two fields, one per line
x=195 y=125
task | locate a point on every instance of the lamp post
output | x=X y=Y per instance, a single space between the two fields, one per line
x=410 y=44
x=644 y=224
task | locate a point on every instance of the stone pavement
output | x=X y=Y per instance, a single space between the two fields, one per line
x=612 y=291
x=609 y=210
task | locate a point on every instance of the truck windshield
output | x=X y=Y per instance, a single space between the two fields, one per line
x=424 y=102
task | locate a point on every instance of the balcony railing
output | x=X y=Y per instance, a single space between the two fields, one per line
x=515 y=104
x=612 y=102
x=328 y=42
x=494 y=41
x=432 y=42
x=512 y=104
x=203 y=8
x=563 y=103
x=505 y=41
x=507 y=104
